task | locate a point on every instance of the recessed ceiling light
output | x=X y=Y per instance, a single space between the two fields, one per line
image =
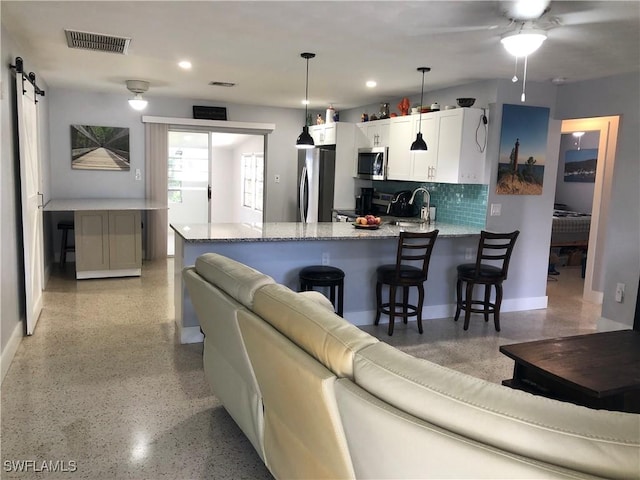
x=185 y=64
x=305 y=102
x=559 y=80
x=371 y=83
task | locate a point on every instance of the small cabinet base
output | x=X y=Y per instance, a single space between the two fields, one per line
x=108 y=243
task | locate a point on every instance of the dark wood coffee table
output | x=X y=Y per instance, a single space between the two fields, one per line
x=598 y=370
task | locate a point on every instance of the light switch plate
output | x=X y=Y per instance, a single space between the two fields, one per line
x=496 y=209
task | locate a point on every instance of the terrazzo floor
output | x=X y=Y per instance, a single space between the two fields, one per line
x=104 y=389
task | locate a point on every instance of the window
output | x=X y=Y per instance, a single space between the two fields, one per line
x=252 y=180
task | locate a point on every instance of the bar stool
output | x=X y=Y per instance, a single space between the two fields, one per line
x=65 y=226
x=495 y=248
x=324 y=276
x=410 y=270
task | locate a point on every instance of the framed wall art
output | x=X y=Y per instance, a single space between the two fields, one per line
x=523 y=147
x=99 y=148
x=580 y=165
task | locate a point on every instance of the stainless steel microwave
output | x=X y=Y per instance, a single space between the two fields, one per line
x=372 y=163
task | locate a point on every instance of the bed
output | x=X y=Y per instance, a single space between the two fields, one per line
x=570 y=229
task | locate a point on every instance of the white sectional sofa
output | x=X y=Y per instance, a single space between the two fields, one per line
x=319 y=398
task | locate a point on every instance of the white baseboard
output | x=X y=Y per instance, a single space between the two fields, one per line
x=10 y=349
x=443 y=311
x=126 y=272
x=607 y=325
x=191 y=335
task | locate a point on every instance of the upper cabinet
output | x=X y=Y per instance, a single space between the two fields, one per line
x=404 y=164
x=461 y=146
x=455 y=141
x=374 y=133
x=325 y=134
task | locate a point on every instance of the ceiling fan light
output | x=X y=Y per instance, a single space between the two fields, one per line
x=137 y=102
x=523 y=42
x=305 y=140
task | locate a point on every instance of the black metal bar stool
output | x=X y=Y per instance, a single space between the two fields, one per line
x=65 y=226
x=324 y=276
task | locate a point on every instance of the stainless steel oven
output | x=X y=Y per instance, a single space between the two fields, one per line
x=372 y=163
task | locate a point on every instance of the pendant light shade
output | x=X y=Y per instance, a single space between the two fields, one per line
x=305 y=140
x=419 y=145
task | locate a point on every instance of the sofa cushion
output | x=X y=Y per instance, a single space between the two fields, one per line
x=303 y=435
x=321 y=333
x=234 y=278
x=595 y=442
x=387 y=443
x=319 y=298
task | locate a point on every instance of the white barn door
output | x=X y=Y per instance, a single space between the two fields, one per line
x=30 y=185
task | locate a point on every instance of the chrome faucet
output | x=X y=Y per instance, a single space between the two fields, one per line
x=424 y=213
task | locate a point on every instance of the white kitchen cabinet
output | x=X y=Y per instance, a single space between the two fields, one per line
x=402 y=163
x=461 y=138
x=377 y=132
x=108 y=243
x=453 y=153
x=325 y=134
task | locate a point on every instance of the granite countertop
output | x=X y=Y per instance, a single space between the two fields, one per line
x=286 y=231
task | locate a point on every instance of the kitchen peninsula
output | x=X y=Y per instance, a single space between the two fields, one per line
x=282 y=249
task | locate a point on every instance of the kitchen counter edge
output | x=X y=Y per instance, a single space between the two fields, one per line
x=294 y=231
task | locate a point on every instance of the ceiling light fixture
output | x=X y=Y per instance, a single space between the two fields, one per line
x=305 y=140
x=522 y=43
x=419 y=145
x=138 y=87
x=578 y=135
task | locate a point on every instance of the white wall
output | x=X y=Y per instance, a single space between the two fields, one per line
x=619 y=95
x=578 y=196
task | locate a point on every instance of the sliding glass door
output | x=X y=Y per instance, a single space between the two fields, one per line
x=188 y=180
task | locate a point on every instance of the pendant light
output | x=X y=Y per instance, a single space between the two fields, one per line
x=305 y=140
x=419 y=145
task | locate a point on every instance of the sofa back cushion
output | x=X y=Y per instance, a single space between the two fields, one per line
x=226 y=363
x=321 y=333
x=387 y=443
x=595 y=442
x=234 y=278
x=303 y=435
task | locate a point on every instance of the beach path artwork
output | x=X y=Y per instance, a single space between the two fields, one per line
x=523 y=146
x=99 y=148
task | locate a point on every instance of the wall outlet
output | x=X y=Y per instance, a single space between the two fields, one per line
x=496 y=209
x=276 y=178
x=468 y=254
x=325 y=258
x=138 y=174
x=620 y=292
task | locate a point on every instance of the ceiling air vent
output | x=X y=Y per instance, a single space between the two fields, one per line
x=97 y=42
x=222 y=84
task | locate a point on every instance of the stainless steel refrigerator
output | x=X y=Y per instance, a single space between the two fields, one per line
x=316 y=184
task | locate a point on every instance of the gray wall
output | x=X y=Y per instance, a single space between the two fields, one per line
x=82 y=107
x=618 y=95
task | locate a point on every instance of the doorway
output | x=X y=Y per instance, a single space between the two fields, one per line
x=214 y=177
x=603 y=133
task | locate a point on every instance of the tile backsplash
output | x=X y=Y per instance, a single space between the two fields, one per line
x=459 y=204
